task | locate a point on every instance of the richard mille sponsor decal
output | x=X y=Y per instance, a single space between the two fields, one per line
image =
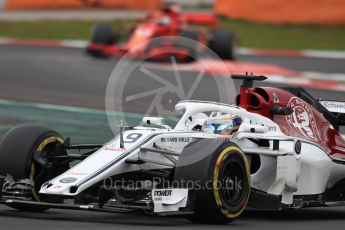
x=302 y=119
x=68 y=180
x=176 y=139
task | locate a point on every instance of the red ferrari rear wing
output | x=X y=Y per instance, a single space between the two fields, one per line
x=200 y=18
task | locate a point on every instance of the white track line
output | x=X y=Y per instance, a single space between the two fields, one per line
x=324 y=54
x=337 y=77
x=74 y=43
x=293 y=53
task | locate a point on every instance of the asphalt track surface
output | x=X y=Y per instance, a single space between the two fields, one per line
x=67 y=77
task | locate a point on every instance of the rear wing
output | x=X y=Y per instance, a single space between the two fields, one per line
x=200 y=18
x=337 y=108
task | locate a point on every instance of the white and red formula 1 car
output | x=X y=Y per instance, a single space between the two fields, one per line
x=284 y=150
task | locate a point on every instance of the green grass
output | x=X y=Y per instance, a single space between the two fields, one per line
x=250 y=34
x=80 y=30
x=288 y=36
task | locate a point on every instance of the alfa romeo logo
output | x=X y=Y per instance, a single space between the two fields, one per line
x=302 y=119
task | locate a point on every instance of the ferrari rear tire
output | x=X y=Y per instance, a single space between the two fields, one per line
x=103 y=34
x=194 y=35
x=221 y=184
x=224 y=44
x=193 y=47
x=17 y=149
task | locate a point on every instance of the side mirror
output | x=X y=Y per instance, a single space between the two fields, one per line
x=280 y=110
x=153 y=120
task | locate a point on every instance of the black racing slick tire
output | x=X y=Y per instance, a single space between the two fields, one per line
x=103 y=34
x=194 y=35
x=224 y=44
x=17 y=149
x=193 y=47
x=221 y=179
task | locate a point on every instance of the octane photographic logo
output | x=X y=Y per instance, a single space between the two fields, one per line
x=140 y=86
x=234 y=184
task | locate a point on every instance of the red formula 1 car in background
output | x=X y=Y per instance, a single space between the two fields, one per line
x=168 y=21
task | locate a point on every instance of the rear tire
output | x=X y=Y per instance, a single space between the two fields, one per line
x=103 y=34
x=224 y=44
x=17 y=148
x=193 y=48
x=224 y=177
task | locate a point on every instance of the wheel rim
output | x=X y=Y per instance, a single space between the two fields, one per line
x=34 y=168
x=231 y=163
x=232 y=176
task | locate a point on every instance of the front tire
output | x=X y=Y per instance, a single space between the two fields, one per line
x=224 y=177
x=17 y=149
x=103 y=34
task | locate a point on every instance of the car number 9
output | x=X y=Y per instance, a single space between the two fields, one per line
x=132 y=137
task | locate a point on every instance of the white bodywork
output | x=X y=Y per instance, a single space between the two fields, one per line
x=282 y=172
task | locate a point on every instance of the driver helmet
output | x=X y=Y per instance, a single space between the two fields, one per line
x=223 y=123
x=165 y=20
